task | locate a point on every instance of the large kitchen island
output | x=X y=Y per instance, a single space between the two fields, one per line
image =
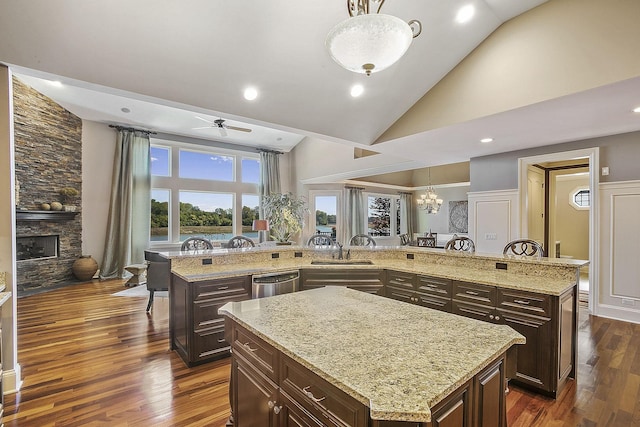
x=336 y=356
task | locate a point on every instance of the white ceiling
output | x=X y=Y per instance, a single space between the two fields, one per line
x=170 y=61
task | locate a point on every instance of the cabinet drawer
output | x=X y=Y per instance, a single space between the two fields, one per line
x=209 y=343
x=324 y=400
x=212 y=289
x=524 y=302
x=205 y=312
x=399 y=294
x=473 y=311
x=431 y=301
x=262 y=355
x=474 y=293
x=434 y=286
x=401 y=280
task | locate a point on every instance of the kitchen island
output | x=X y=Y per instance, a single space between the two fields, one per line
x=335 y=356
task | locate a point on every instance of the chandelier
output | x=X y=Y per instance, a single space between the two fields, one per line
x=429 y=201
x=369 y=41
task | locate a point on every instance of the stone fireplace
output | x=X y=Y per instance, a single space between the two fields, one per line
x=48 y=158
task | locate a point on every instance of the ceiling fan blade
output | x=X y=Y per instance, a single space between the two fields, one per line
x=239 y=129
x=204 y=120
x=204 y=127
x=223 y=131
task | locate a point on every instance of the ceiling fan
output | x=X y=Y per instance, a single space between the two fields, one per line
x=221 y=126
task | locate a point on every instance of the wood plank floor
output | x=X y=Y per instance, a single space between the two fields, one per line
x=93 y=359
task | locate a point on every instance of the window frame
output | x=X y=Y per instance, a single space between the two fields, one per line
x=393 y=216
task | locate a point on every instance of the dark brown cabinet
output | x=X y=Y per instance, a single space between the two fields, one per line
x=196 y=329
x=427 y=291
x=366 y=280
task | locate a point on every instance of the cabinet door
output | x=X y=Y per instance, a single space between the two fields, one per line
x=490 y=396
x=534 y=361
x=456 y=410
x=254 y=396
x=399 y=294
x=293 y=415
x=400 y=280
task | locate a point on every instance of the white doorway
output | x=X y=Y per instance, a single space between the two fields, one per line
x=528 y=200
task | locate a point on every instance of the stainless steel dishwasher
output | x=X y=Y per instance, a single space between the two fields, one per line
x=266 y=285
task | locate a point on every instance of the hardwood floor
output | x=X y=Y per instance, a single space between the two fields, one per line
x=93 y=359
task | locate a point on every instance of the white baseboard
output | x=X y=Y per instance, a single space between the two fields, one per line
x=12 y=380
x=618 y=313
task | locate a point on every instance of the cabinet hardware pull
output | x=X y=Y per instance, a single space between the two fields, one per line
x=491 y=316
x=248 y=347
x=311 y=396
x=471 y=293
x=497 y=317
x=519 y=301
x=271 y=404
x=222 y=288
x=220 y=340
x=277 y=409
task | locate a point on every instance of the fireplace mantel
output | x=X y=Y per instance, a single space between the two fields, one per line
x=25 y=215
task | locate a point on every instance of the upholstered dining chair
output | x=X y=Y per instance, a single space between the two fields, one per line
x=463 y=244
x=240 y=242
x=196 y=244
x=362 y=240
x=404 y=239
x=158 y=274
x=524 y=247
x=320 y=240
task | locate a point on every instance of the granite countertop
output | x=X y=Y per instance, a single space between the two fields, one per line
x=398 y=359
x=500 y=278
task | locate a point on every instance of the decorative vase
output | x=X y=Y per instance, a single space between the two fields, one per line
x=56 y=206
x=84 y=268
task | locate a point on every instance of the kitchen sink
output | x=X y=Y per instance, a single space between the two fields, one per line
x=342 y=262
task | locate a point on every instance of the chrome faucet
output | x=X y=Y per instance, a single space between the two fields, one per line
x=348 y=253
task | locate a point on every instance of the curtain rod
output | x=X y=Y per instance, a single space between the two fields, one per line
x=353 y=188
x=265 y=150
x=148 y=132
x=405 y=192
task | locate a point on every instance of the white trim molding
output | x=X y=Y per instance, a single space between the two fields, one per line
x=11 y=380
x=619 y=269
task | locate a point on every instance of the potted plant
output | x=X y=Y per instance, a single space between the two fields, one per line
x=285 y=213
x=68 y=195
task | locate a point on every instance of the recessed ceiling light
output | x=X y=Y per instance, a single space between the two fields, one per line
x=465 y=13
x=357 y=90
x=636 y=110
x=250 y=93
x=486 y=140
x=125 y=110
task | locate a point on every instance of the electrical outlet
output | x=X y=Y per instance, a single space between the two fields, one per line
x=490 y=236
x=501 y=265
x=275 y=255
x=297 y=254
x=605 y=171
x=207 y=261
x=410 y=256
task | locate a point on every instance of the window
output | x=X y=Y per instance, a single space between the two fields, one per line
x=160 y=215
x=383 y=215
x=326 y=215
x=200 y=165
x=202 y=192
x=160 y=161
x=580 y=198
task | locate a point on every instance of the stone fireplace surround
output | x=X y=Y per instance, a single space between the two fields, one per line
x=48 y=157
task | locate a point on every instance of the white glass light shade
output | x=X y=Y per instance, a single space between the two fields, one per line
x=363 y=41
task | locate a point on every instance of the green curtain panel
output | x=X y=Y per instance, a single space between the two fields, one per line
x=354 y=213
x=130 y=206
x=269 y=175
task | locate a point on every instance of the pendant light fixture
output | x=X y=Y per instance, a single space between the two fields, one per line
x=429 y=201
x=369 y=41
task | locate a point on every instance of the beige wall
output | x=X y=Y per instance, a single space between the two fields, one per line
x=571 y=224
x=559 y=48
x=8 y=233
x=98 y=150
x=439 y=223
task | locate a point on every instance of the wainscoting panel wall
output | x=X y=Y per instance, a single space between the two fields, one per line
x=493 y=219
x=619 y=236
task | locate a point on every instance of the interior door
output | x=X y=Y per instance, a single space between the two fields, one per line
x=535 y=204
